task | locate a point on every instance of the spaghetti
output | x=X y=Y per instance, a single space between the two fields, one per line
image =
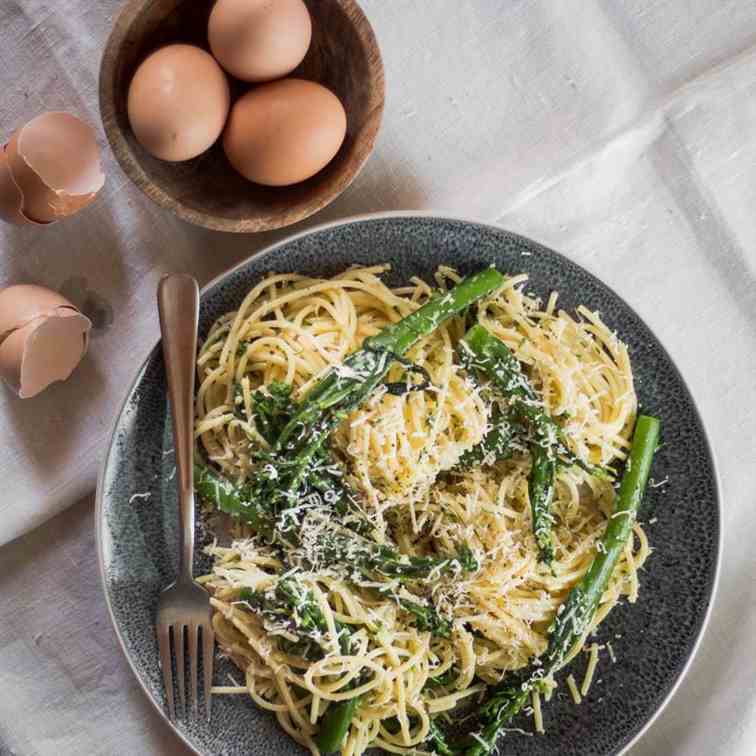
x=401 y=454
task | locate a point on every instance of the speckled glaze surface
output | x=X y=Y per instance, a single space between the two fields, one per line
x=653 y=640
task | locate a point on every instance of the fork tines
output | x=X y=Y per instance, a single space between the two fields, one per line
x=178 y=635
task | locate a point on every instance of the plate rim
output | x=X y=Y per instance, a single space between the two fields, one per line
x=346 y=221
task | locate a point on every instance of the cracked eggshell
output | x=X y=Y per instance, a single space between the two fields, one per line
x=44 y=337
x=11 y=198
x=22 y=303
x=55 y=161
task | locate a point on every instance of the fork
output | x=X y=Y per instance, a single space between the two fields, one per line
x=184 y=606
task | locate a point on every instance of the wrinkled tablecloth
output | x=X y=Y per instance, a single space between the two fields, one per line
x=620 y=133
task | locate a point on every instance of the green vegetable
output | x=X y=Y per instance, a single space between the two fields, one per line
x=334 y=725
x=291 y=603
x=272 y=409
x=496 y=444
x=575 y=615
x=572 y=622
x=229 y=498
x=427 y=618
x=279 y=480
x=495 y=714
x=541 y=492
x=437 y=741
x=337 y=546
x=490 y=358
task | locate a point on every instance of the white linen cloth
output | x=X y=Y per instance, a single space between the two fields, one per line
x=620 y=133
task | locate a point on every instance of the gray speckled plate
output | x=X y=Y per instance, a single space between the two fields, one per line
x=653 y=640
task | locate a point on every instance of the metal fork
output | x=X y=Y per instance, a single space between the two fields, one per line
x=184 y=606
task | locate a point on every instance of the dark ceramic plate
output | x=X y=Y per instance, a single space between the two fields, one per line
x=653 y=640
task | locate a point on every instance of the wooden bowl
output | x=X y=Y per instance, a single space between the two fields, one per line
x=207 y=191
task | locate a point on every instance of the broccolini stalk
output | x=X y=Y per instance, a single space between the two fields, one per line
x=541 y=493
x=272 y=409
x=335 y=724
x=344 y=387
x=496 y=713
x=338 y=546
x=279 y=481
x=426 y=618
x=490 y=358
x=571 y=623
x=574 y=617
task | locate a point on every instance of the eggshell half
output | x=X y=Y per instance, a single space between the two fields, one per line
x=11 y=199
x=55 y=161
x=23 y=303
x=44 y=351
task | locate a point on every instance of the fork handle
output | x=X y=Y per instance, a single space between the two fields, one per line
x=178 y=307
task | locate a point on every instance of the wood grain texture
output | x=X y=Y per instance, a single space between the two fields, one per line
x=207 y=191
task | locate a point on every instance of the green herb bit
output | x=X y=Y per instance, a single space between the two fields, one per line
x=426 y=618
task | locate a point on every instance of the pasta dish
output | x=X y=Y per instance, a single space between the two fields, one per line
x=424 y=489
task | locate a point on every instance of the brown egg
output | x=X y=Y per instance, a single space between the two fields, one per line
x=284 y=132
x=42 y=338
x=178 y=102
x=259 y=40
